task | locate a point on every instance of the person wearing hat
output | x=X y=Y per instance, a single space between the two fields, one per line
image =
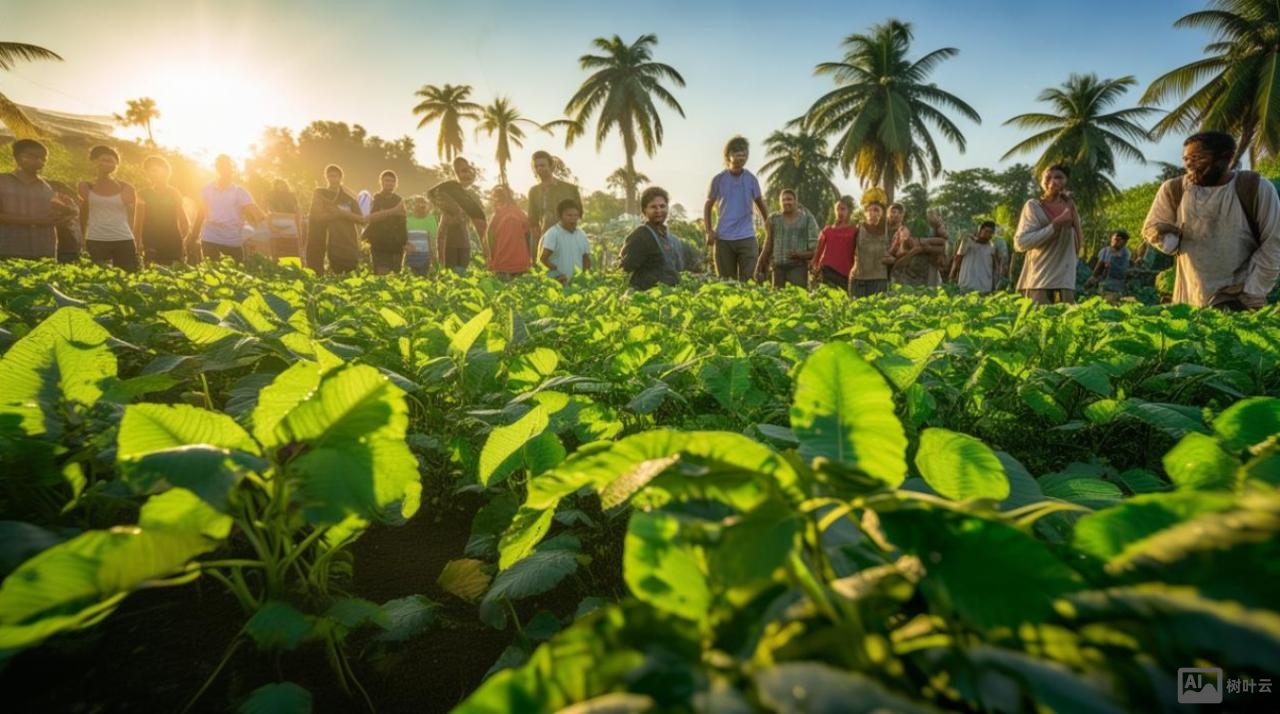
x=871 y=258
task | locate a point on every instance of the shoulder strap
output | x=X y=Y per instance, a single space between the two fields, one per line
x=1247 y=193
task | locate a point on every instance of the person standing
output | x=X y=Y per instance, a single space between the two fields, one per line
x=387 y=232
x=833 y=258
x=221 y=214
x=564 y=250
x=915 y=259
x=423 y=226
x=67 y=231
x=1049 y=233
x=30 y=208
x=733 y=192
x=107 y=219
x=977 y=264
x=871 y=261
x=791 y=237
x=284 y=221
x=508 y=244
x=332 y=230
x=1222 y=227
x=161 y=222
x=547 y=194
x=651 y=255
x=1111 y=268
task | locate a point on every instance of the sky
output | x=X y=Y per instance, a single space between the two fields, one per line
x=222 y=70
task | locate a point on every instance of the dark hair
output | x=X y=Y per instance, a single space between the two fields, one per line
x=566 y=205
x=737 y=143
x=103 y=150
x=540 y=154
x=847 y=202
x=1066 y=170
x=786 y=191
x=22 y=146
x=1122 y=233
x=987 y=224
x=504 y=191
x=387 y=173
x=155 y=160
x=897 y=205
x=334 y=167
x=1219 y=143
x=651 y=193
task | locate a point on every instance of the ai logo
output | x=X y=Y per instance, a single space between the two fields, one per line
x=1200 y=686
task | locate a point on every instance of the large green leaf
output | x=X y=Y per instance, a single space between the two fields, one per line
x=466 y=335
x=903 y=366
x=959 y=466
x=534 y=575
x=1053 y=685
x=1198 y=463
x=1248 y=422
x=816 y=688
x=843 y=411
x=180 y=509
x=663 y=571
x=64 y=359
x=197 y=330
x=277 y=698
x=728 y=380
x=78 y=582
x=1108 y=532
x=751 y=549
x=502 y=452
x=287 y=391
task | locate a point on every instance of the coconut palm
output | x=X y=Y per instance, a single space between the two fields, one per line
x=1082 y=132
x=141 y=112
x=800 y=161
x=1241 y=78
x=622 y=181
x=448 y=105
x=883 y=108
x=621 y=93
x=501 y=118
x=11 y=115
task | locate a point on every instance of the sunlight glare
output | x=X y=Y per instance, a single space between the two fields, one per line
x=209 y=110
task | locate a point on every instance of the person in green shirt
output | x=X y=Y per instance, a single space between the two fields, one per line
x=423 y=225
x=547 y=194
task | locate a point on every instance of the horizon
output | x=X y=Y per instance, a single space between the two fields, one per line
x=222 y=73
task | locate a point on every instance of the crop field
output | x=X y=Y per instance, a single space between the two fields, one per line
x=249 y=489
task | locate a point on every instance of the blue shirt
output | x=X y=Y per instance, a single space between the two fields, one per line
x=734 y=196
x=1117 y=263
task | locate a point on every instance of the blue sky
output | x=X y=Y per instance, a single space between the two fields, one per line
x=222 y=70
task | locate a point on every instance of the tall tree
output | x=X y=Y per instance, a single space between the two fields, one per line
x=1241 y=78
x=800 y=161
x=449 y=105
x=140 y=112
x=883 y=107
x=11 y=115
x=623 y=182
x=501 y=118
x=1083 y=133
x=621 y=91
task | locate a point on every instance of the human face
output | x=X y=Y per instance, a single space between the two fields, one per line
x=788 y=201
x=1117 y=242
x=389 y=184
x=419 y=209
x=896 y=213
x=1053 y=181
x=737 y=160
x=334 y=178
x=985 y=233
x=224 y=168
x=107 y=164
x=655 y=211
x=465 y=172
x=875 y=214
x=158 y=174
x=569 y=219
x=542 y=169
x=31 y=162
x=842 y=213
x=1203 y=168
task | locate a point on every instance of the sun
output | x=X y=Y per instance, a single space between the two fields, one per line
x=209 y=109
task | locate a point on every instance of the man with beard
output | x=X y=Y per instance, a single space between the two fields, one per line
x=1222 y=227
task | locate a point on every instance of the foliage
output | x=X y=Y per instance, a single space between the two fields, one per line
x=800 y=162
x=11 y=115
x=502 y=119
x=141 y=112
x=448 y=105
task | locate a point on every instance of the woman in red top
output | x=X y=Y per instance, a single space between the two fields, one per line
x=508 y=250
x=833 y=258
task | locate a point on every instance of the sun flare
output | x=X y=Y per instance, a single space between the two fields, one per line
x=211 y=110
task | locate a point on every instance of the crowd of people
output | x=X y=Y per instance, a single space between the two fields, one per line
x=1221 y=227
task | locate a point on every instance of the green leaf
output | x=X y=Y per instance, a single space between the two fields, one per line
x=532 y=369
x=289 y=389
x=526 y=530
x=1248 y=422
x=197 y=330
x=1053 y=685
x=277 y=698
x=19 y=541
x=663 y=571
x=815 y=688
x=960 y=467
x=180 y=509
x=1092 y=377
x=1172 y=419
x=63 y=359
x=77 y=583
x=843 y=411
x=754 y=547
x=728 y=381
x=407 y=617
x=650 y=398
x=1044 y=405
x=903 y=366
x=147 y=428
x=1023 y=487
x=1090 y=492
x=503 y=449
x=352 y=612
x=278 y=626
x=1199 y=463
x=464 y=578
x=1108 y=532
x=538 y=573
x=466 y=336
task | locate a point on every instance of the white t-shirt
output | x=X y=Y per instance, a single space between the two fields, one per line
x=977 y=269
x=225 y=221
x=567 y=250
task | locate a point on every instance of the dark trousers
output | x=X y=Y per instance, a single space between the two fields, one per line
x=386 y=261
x=832 y=277
x=121 y=253
x=736 y=259
x=214 y=251
x=791 y=273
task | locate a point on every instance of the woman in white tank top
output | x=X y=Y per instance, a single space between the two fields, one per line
x=107 y=221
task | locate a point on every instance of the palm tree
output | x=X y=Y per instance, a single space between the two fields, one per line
x=1241 y=75
x=622 y=91
x=449 y=105
x=503 y=119
x=11 y=115
x=140 y=113
x=625 y=182
x=1083 y=133
x=800 y=161
x=883 y=107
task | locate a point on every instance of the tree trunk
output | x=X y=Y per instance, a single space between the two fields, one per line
x=150 y=139
x=631 y=185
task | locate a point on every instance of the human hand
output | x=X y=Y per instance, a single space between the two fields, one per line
x=888 y=260
x=711 y=237
x=933 y=218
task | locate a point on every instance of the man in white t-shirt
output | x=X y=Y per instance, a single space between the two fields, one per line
x=977 y=263
x=223 y=210
x=565 y=250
